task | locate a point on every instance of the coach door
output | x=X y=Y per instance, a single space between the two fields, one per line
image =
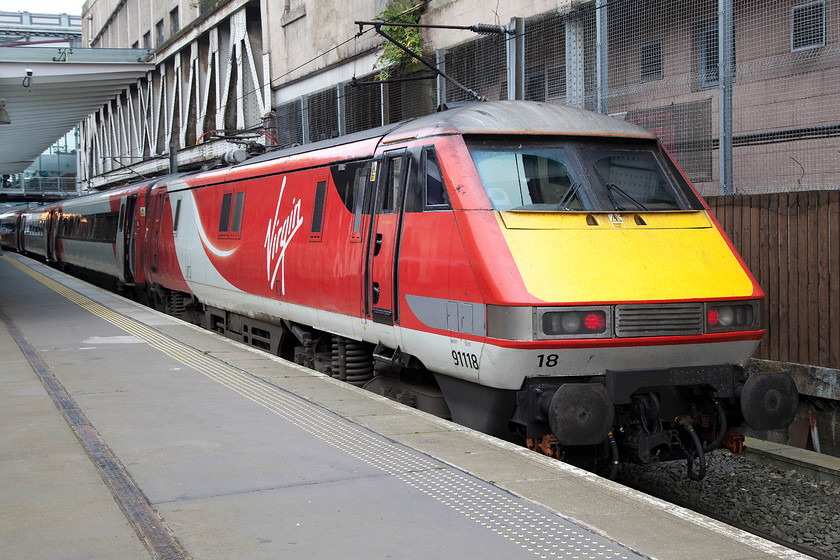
x=52 y=230
x=382 y=262
x=125 y=236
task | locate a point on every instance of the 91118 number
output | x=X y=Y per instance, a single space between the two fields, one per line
x=465 y=359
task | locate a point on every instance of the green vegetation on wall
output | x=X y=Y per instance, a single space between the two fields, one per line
x=392 y=57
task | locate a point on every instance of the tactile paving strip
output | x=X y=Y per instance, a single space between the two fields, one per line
x=545 y=535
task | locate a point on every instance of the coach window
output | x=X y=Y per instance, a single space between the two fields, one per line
x=224 y=219
x=230 y=219
x=175 y=220
x=318 y=211
x=435 y=192
x=238 y=205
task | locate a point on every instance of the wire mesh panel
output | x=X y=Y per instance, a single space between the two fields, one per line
x=685 y=129
x=545 y=58
x=652 y=62
x=322 y=115
x=663 y=61
x=404 y=100
x=785 y=118
x=658 y=65
x=288 y=124
x=362 y=104
x=479 y=65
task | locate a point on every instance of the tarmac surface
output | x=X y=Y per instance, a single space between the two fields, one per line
x=129 y=434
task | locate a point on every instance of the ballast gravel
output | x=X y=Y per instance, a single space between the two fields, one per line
x=782 y=503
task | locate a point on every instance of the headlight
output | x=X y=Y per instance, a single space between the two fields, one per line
x=574 y=323
x=722 y=317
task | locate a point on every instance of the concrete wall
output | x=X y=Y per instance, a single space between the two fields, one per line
x=309 y=47
x=121 y=23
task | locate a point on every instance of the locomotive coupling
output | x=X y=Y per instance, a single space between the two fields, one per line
x=769 y=400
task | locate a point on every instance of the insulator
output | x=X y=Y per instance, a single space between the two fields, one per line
x=487 y=29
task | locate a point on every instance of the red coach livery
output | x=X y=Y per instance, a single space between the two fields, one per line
x=527 y=269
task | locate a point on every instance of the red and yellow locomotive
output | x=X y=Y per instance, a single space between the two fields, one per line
x=530 y=270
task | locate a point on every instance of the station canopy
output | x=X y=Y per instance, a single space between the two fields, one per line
x=47 y=91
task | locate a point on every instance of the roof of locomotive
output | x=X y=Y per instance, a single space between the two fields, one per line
x=491 y=117
x=519 y=117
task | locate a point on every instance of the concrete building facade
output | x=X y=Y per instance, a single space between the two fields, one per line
x=746 y=102
x=34 y=29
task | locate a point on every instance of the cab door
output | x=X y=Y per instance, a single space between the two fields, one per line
x=382 y=251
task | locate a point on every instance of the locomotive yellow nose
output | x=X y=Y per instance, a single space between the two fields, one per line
x=592 y=257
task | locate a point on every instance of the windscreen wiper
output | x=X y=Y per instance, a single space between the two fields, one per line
x=569 y=196
x=613 y=187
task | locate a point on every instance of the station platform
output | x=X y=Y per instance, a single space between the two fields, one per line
x=130 y=434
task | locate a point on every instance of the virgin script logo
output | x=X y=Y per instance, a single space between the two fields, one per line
x=279 y=234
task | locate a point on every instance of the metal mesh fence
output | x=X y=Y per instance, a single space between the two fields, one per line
x=652 y=62
x=479 y=65
x=363 y=103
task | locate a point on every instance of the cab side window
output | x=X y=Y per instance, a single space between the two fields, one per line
x=388 y=202
x=435 y=196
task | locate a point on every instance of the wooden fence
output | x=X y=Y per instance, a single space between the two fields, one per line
x=791 y=242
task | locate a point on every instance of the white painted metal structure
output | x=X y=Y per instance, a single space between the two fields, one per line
x=213 y=77
x=48 y=91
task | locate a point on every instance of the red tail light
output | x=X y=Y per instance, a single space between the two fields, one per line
x=731 y=316
x=575 y=323
x=595 y=322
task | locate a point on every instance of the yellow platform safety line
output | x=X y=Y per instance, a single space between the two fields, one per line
x=546 y=536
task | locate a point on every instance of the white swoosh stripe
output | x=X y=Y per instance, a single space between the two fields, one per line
x=203 y=235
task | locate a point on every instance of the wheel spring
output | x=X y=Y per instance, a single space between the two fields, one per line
x=176 y=304
x=352 y=361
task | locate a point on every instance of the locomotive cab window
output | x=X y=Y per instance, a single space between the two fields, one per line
x=360 y=194
x=533 y=178
x=632 y=180
x=591 y=176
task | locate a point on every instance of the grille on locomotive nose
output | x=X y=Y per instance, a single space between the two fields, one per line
x=665 y=319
